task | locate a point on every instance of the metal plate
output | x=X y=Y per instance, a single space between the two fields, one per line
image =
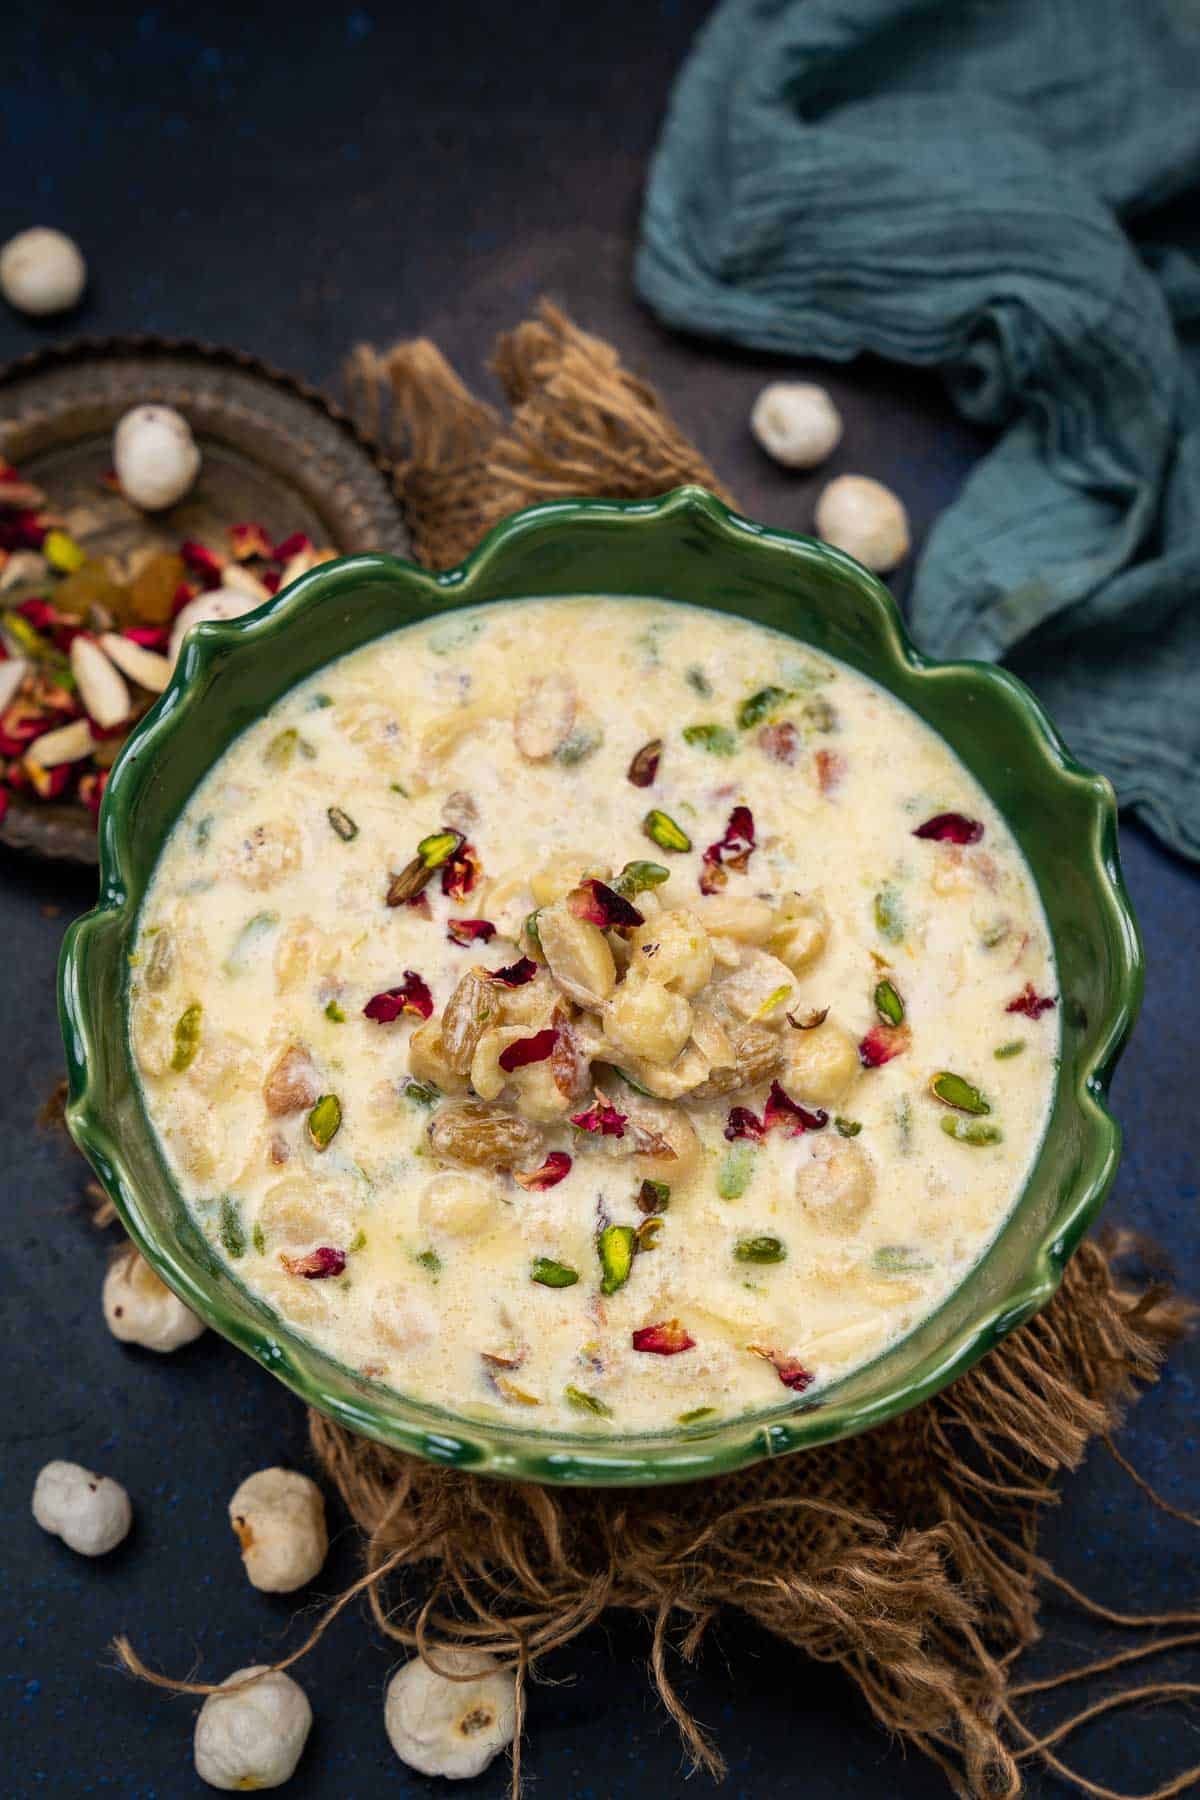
x=275 y=450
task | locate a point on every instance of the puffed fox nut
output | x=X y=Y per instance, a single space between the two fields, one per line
x=278 y=1517
x=251 y=1733
x=90 y=1513
x=451 y=1727
x=796 y=423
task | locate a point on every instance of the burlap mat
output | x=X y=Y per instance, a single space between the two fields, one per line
x=907 y=1555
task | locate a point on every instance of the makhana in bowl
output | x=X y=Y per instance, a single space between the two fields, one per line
x=1041 y=813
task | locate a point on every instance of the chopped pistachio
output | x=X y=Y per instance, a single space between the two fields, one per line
x=904 y=1122
x=737 y=1166
x=247 y=940
x=773 y=1001
x=579 y=745
x=718 y=740
x=421 y=1093
x=970 y=1131
x=952 y=1090
x=548 y=1273
x=760 y=1250
x=636 y=877
x=358 y=1241
x=342 y=823
x=324 y=1121
x=888 y=1004
x=439 y=847
x=898 y=1259
x=696 y=1414
x=616 y=1247
x=281 y=749
x=233 y=1236
x=819 y=714
x=653 y=1196
x=258 y=1239
x=847 y=1127
x=889 y=915
x=203 y=832
x=530 y=928
x=760 y=706
x=697 y=679
x=994 y=934
x=334 y=1012
x=187 y=1037
x=587 y=1403
x=1014 y=1047
x=646 y=1234
x=27 y=638
x=398 y=787
x=319 y=702
x=663 y=831
x=430 y=1260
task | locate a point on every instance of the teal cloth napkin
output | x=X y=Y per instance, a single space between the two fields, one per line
x=1008 y=189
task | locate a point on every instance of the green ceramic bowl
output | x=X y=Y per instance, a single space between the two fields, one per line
x=686 y=547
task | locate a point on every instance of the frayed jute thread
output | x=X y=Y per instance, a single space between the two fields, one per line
x=908 y=1556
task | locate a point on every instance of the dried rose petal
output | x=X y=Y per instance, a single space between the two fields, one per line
x=20 y=723
x=603 y=906
x=667 y=1338
x=460 y=872
x=249 y=540
x=3 y=805
x=556 y=1168
x=91 y=789
x=644 y=767
x=732 y=851
x=780 y=742
x=950 y=828
x=412 y=997
x=48 y=784
x=516 y=974
x=781 y=1109
x=272 y=580
x=202 y=562
x=39 y=613
x=790 y=1369
x=183 y=596
x=468 y=931
x=291 y=546
x=601 y=1119
x=1030 y=1002
x=22 y=531
x=881 y=1043
x=742 y=1123
x=148 y=637
x=317 y=1265
x=535 y=1049
x=831 y=769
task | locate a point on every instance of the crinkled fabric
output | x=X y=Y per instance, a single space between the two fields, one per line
x=1008 y=190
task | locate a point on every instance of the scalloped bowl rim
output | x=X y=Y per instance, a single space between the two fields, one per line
x=491 y=1447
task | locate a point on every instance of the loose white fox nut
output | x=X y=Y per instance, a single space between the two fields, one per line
x=797 y=423
x=42 y=271
x=90 y=1513
x=865 y=519
x=155 y=456
x=253 y=1737
x=140 y=1309
x=279 y=1519
x=451 y=1728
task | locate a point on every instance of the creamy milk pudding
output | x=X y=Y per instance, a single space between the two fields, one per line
x=595 y=1012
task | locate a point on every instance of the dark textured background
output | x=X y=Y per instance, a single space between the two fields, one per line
x=291 y=181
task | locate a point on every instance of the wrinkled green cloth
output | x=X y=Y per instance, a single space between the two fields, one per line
x=1008 y=189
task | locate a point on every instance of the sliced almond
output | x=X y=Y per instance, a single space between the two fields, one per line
x=22 y=565
x=146 y=667
x=234 y=576
x=13 y=671
x=67 y=744
x=101 y=686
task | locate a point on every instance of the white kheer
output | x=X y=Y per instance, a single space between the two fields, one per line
x=595 y=1012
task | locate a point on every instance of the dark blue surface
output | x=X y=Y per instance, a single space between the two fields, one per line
x=289 y=185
